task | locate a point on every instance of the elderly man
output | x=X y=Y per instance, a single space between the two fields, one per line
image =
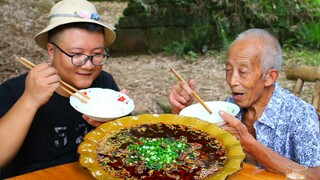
x=275 y=127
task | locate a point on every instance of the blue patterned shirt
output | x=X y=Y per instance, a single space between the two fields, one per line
x=290 y=127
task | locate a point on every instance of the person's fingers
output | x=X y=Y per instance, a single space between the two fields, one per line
x=234 y=126
x=91 y=122
x=176 y=106
x=41 y=66
x=185 y=89
x=184 y=93
x=231 y=130
x=176 y=100
x=124 y=91
x=192 y=83
x=180 y=94
x=41 y=82
x=229 y=119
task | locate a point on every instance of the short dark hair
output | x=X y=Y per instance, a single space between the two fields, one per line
x=83 y=25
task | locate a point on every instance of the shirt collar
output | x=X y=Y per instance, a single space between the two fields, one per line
x=272 y=106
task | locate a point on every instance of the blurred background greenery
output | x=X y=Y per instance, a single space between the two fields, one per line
x=215 y=23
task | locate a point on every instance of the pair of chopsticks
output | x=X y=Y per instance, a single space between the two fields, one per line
x=194 y=94
x=66 y=87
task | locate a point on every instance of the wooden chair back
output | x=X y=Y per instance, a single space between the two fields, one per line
x=303 y=74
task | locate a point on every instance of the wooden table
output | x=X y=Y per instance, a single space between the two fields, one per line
x=75 y=171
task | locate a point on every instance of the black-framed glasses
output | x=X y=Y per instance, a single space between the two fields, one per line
x=79 y=59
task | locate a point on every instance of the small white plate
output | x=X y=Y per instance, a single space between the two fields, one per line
x=104 y=104
x=198 y=111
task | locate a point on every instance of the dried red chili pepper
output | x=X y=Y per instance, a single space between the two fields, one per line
x=122 y=98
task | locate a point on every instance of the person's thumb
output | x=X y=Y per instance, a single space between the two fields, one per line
x=228 y=118
x=124 y=91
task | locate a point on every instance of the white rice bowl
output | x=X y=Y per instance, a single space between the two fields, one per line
x=198 y=111
x=103 y=105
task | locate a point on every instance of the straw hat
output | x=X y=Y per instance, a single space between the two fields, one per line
x=71 y=11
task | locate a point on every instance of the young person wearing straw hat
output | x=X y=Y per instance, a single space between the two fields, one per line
x=274 y=127
x=38 y=126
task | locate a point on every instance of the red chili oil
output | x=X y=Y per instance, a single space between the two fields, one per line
x=212 y=152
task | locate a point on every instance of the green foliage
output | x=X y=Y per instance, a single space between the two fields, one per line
x=164 y=105
x=190 y=56
x=301 y=57
x=167 y=3
x=176 y=48
x=213 y=24
x=181 y=50
x=218 y=54
x=281 y=17
x=198 y=41
x=44 y=6
x=221 y=24
x=4 y=2
x=108 y=0
x=309 y=34
x=295 y=23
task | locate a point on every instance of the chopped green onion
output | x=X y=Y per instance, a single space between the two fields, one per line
x=158 y=153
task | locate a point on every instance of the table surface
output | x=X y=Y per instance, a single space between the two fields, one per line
x=75 y=171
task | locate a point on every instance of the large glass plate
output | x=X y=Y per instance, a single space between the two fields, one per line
x=87 y=149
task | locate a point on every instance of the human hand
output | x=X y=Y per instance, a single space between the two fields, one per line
x=235 y=127
x=91 y=121
x=124 y=91
x=181 y=95
x=40 y=83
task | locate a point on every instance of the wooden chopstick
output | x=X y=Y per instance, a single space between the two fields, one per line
x=64 y=86
x=195 y=95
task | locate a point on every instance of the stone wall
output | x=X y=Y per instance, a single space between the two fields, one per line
x=146 y=26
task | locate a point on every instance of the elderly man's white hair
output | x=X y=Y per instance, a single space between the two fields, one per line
x=271 y=54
